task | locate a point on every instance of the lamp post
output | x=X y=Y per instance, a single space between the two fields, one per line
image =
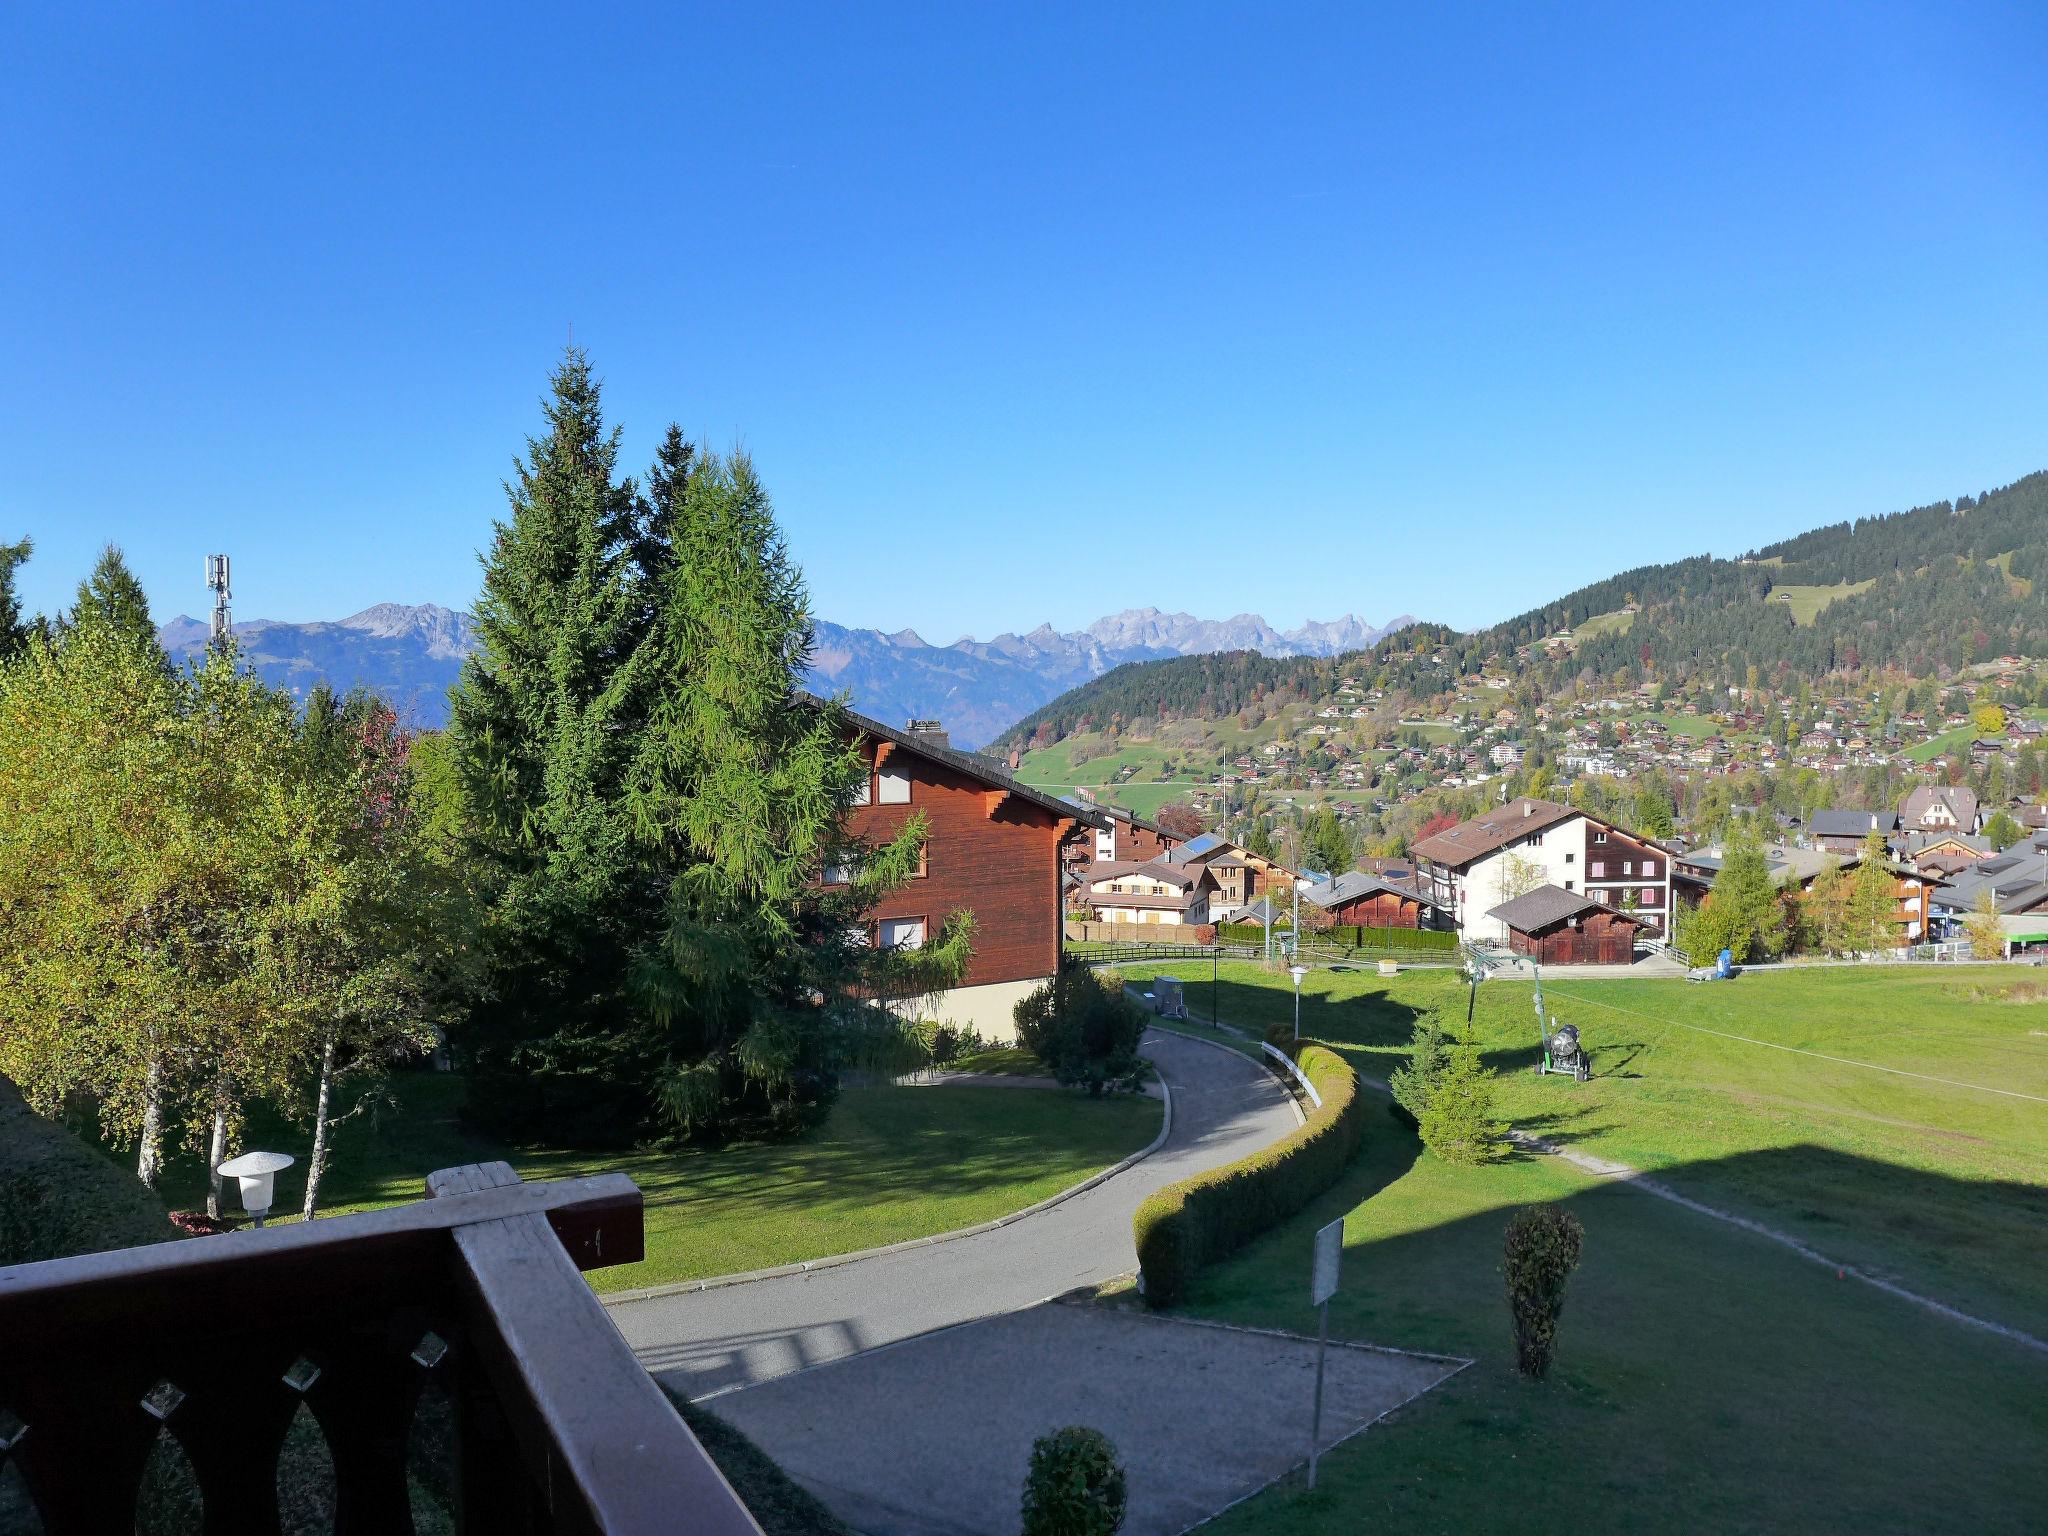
x=1297 y=971
x=256 y=1172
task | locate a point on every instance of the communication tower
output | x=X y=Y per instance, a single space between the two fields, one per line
x=223 y=620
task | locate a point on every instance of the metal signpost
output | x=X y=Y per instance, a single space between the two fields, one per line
x=1322 y=1286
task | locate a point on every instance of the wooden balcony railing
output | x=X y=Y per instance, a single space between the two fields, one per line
x=217 y=1341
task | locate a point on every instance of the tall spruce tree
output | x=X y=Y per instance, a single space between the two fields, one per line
x=112 y=596
x=741 y=785
x=542 y=728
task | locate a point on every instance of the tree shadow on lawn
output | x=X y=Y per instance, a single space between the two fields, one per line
x=1707 y=1378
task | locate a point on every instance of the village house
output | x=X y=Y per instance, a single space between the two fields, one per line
x=1940 y=808
x=1118 y=837
x=1844 y=831
x=1362 y=899
x=1237 y=875
x=1558 y=927
x=1465 y=870
x=1151 y=891
x=992 y=848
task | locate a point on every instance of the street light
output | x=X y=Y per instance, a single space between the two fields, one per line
x=256 y=1172
x=1297 y=971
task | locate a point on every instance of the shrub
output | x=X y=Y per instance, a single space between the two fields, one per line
x=1084 y=1029
x=1457 y=1120
x=1446 y=1094
x=1543 y=1246
x=1201 y=1220
x=1429 y=1053
x=1075 y=1486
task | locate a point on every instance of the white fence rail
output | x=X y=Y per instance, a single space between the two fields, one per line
x=1295 y=1072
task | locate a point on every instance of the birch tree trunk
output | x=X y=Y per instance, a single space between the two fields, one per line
x=150 y=1161
x=317 y=1164
x=216 y=1149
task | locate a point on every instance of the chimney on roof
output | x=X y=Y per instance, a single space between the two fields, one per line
x=929 y=732
x=1528 y=807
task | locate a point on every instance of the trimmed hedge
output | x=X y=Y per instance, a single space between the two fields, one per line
x=1405 y=941
x=1195 y=1223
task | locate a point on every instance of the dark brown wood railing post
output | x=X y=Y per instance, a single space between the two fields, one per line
x=560 y=1429
x=611 y=1453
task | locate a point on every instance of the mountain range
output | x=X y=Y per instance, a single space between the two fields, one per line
x=412 y=654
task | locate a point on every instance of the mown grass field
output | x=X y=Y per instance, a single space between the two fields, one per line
x=1708 y=1379
x=1957 y=740
x=1619 y=622
x=1806 y=603
x=887 y=1164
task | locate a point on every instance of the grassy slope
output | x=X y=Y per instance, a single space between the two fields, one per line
x=1806 y=603
x=888 y=1164
x=1956 y=740
x=1942 y=1188
x=1708 y=1379
x=58 y=1197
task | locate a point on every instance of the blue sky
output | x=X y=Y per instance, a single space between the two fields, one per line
x=1026 y=313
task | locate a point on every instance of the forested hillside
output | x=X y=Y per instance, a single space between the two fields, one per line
x=1921 y=593
x=1208 y=687
x=1948 y=585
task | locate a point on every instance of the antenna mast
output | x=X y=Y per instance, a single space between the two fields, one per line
x=223 y=620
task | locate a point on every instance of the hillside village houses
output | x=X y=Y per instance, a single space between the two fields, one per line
x=1500 y=854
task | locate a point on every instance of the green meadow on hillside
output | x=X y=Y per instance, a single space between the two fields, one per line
x=1690 y=1347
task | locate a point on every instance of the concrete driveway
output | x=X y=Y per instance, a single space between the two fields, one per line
x=704 y=1342
x=931 y=1437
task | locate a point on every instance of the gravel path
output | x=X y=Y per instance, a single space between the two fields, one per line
x=706 y=1342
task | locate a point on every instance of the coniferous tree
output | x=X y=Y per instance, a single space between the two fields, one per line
x=541 y=731
x=111 y=596
x=741 y=786
x=1873 y=898
x=14 y=626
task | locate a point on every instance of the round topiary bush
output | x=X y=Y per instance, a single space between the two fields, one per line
x=1075 y=1486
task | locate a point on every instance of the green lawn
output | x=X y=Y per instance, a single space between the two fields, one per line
x=887 y=1164
x=1619 y=622
x=1957 y=740
x=1708 y=1379
x=1943 y=1188
x=1806 y=603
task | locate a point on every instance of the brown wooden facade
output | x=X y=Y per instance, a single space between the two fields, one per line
x=988 y=849
x=1593 y=938
x=1381 y=909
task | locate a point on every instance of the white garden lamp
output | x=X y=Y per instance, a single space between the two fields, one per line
x=1297 y=971
x=256 y=1172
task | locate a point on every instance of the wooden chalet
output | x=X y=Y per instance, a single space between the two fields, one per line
x=1362 y=899
x=1553 y=926
x=992 y=848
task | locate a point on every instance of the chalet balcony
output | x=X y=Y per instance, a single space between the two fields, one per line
x=475 y=1291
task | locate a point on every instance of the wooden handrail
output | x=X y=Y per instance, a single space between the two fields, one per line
x=558 y=1426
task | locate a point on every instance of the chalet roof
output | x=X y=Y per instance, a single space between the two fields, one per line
x=975 y=766
x=1492 y=830
x=1356 y=884
x=1960 y=800
x=1852 y=823
x=1547 y=906
x=1151 y=869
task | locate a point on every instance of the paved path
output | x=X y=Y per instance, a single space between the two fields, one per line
x=705 y=1342
x=933 y=1438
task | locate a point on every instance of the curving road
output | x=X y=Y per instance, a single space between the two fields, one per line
x=704 y=1342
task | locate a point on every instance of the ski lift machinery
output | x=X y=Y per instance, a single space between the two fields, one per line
x=1563 y=1052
